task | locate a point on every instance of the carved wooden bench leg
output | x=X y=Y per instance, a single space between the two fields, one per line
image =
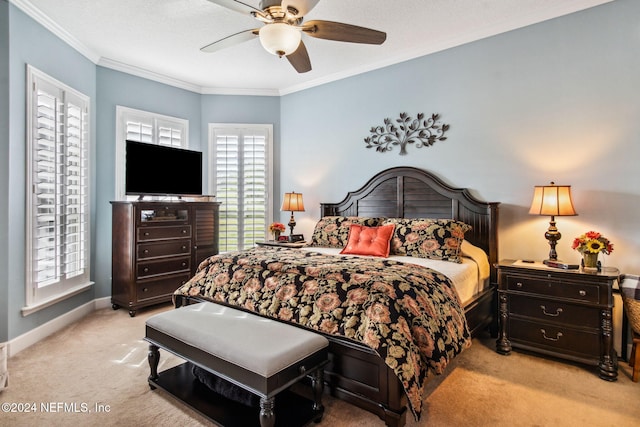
x=267 y=416
x=317 y=384
x=154 y=359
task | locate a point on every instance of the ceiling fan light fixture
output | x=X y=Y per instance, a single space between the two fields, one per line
x=280 y=39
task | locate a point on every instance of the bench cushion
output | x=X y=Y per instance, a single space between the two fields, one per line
x=260 y=345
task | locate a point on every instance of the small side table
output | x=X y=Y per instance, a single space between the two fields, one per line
x=561 y=313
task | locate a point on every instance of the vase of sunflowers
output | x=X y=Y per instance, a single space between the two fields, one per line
x=276 y=228
x=590 y=244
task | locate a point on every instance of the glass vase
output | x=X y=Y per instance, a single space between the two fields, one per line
x=276 y=235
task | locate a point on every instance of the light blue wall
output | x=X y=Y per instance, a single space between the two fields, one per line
x=553 y=101
x=246 y=109
x=4 y=170
x=117 y=88
x=23 y=41
x=30 y=43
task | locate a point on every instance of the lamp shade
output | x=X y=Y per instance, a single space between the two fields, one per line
x=552 y=200
x=280 y=39
x=292 y=202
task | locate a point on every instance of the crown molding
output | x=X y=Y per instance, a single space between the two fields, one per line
x=563 y=8
x=37 y=15
x=150 y=75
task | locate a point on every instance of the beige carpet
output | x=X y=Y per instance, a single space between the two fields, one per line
x=98 y=368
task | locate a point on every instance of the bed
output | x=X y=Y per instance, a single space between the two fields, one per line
x=362 y=373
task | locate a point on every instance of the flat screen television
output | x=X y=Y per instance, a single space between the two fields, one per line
x=160 y=170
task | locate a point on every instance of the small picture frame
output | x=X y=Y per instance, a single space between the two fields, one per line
x=296 y=238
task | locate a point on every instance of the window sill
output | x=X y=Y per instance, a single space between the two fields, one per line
x=51 y=301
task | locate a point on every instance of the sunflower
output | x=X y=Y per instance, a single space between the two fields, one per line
x=592 y=242
x=595 y=246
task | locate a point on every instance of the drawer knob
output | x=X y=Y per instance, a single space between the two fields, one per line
x=184 y=231
x=582 y=293
x=146 y=251
x=519 y=284
x=184 y=264
x=556 y=314
x=302 y=369
x=146 y=233
x=145 y=289
x=146 y=269
x=544 y=335
x=184 y=247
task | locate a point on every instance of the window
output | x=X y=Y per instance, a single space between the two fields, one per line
x=58 y=173
x=143 y=126
x=241 y=176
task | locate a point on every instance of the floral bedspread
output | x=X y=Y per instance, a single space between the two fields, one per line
x=410 y=315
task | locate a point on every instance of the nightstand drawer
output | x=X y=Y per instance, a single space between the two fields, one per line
x=558 y=338
x=554 y=287
x=553 y=311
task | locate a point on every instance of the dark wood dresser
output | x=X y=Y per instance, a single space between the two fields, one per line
x=156 y=247
x=561 y=313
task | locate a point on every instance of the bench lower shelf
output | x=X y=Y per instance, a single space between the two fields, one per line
x=291 y=409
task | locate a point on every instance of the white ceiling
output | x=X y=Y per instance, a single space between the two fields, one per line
x=161 y=39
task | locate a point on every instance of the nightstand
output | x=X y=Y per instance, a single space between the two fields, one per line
x=561 y=313
x=282 y=244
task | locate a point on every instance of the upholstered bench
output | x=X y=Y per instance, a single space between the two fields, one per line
x=259 y=355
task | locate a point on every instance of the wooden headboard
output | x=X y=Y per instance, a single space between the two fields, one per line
x=408 y=192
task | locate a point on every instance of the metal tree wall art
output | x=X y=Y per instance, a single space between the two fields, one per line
x=420 y=131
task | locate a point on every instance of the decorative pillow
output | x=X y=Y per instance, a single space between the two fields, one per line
x=428 y=238
x=333 y=231
x=372 y=241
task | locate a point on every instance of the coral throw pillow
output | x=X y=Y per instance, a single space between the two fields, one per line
x=372 y=241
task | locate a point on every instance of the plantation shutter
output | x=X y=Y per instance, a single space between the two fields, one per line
x=169 y=134
x=139 y=131
x=58 y=244
x=241 y=184
x=147 y=127
x=151 y=130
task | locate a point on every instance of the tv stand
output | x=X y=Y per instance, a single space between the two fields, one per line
x=156 y=247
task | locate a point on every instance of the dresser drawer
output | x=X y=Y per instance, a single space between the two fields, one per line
x=158 y=233
x=164 y=286
x=154 y=268
x=163 y=249
x=554 y=311
x=557 y=338
x=554 y=287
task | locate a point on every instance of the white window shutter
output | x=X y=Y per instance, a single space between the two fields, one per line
x=58 y=151
x=147 y=127
x=242 y=182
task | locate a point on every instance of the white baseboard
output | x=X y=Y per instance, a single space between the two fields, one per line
x=27 y=339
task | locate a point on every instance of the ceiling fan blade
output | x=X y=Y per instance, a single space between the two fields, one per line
x=343 y=32
x=300 y=59
x=231 y=40
x=238 y=6
x=302 y=6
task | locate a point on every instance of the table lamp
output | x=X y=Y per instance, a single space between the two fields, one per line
x=292 y=202
x=554 y=200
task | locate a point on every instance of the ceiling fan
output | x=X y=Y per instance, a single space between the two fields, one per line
x=282 y=31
